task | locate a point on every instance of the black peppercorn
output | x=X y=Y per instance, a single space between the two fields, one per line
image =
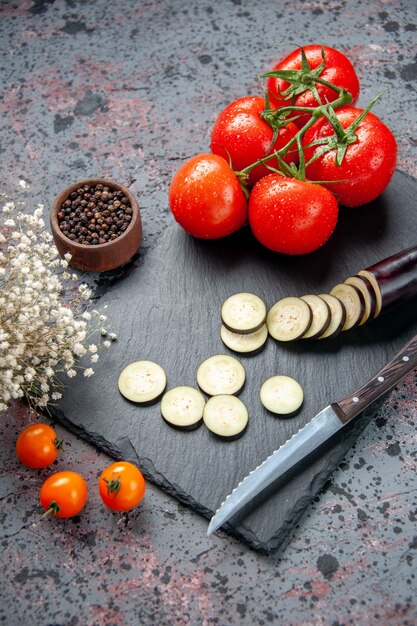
x=94 y=214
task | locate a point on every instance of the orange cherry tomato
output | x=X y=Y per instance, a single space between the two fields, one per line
x=37 y=445
x=63 y=494
x=121 y=486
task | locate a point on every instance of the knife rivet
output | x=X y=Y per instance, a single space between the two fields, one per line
x=406 y=358
x=355 y=399
x=381 y=379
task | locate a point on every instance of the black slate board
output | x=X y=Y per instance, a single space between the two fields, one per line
x=167 y=309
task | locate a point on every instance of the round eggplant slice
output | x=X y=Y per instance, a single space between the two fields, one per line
x=182 y=407
x=243 y=313
x=364 y=286
x=321 y=316
x=353 y=302
x=244 y=343
x=226 y=416
x=142 y=381
x=221 y=374
x=282 y=395
x=376 y=288
x=337 y=316
x=289 y=319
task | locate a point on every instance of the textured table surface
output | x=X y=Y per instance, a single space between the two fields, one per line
x=128 y=90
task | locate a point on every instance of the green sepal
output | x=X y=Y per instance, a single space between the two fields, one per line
x=113 y=486
x=300 y=80
x=343 y=137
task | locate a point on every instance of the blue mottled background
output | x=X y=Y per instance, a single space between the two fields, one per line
x=128 y=90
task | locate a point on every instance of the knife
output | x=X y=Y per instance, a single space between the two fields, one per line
x=316 y=432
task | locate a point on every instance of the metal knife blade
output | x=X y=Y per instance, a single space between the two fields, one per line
x=318 y=430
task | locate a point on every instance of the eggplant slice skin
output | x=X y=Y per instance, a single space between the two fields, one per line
x=353 y=301
x=142 y=381
x=243 y=313
x=182 y=407
x=321 y=316
x=226 y=416
x=289 y=319
x=244 y=343
x=221 y=374
x=337 y=316
x=282 y=395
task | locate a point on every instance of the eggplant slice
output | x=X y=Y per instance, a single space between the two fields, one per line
x=282 y=395
x=321 y=316
x=221 y=374
x=353 y=302
x=182 y=407
x=142 y=381
x=376 y=288
x=226 y=416
x=364 y=286
x=337 y=316
x=243 y=313
x=244 y=343
x=289 y=319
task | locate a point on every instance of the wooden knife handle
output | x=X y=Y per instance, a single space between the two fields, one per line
x=392 y=372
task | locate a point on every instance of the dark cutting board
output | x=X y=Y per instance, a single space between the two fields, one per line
x=167 y=308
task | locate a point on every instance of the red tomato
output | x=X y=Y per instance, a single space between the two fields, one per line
x=291 y=216
x=368 y=163
x=241 y=135
x=63 y=494
x=37 y=445
x=121 y=486
x=206 y=198
x=338 y=70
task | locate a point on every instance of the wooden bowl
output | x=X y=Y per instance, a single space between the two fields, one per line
x=104 y=256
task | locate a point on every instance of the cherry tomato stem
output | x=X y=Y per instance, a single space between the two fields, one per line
x=54 y=509
x=113 y=486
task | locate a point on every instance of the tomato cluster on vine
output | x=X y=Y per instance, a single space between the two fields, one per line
x=285 y=161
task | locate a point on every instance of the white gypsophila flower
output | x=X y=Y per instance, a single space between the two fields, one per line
x=44 y=321
x=107 y=344
x=8 y=207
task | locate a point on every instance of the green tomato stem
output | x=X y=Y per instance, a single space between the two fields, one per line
x=319 y=111
x=54 y=508
x=113 y=486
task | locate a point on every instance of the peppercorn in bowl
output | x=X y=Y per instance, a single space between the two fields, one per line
x=98 y=222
